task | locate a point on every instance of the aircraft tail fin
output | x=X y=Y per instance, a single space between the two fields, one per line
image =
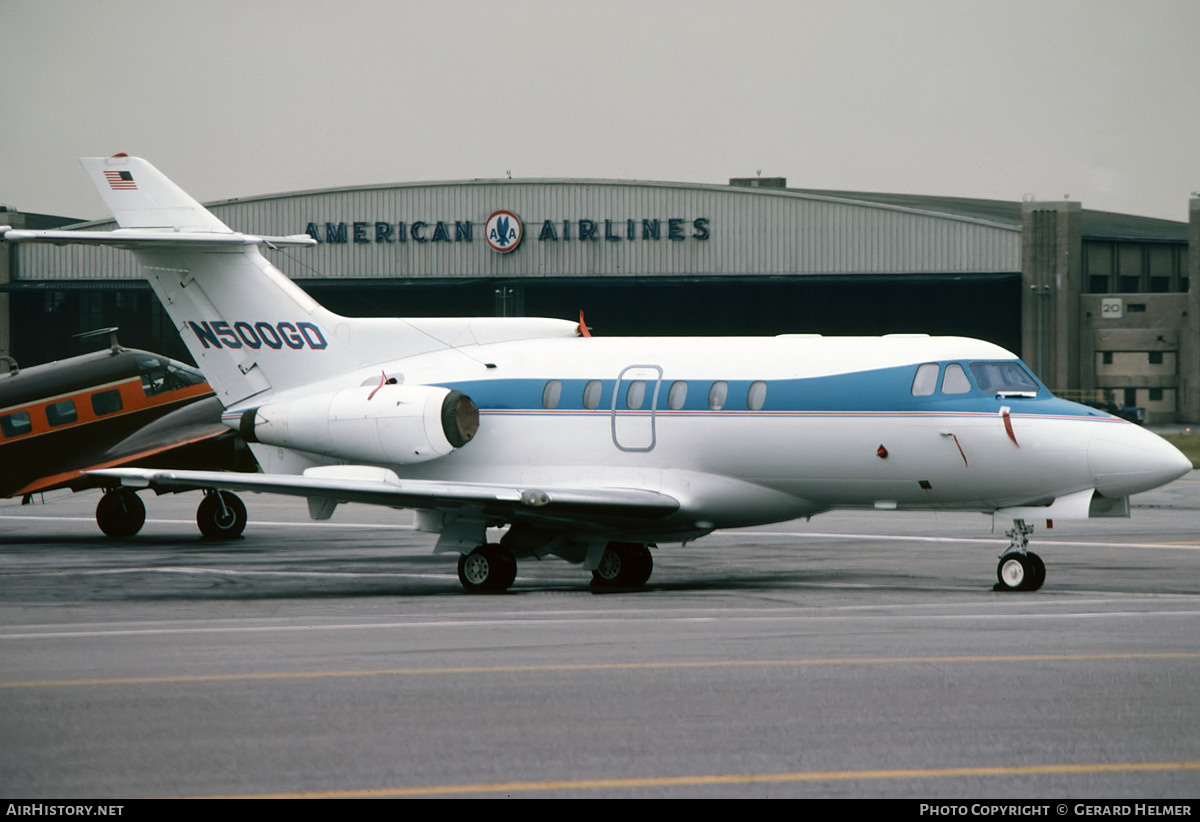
x=141 y=196
x=251 y=329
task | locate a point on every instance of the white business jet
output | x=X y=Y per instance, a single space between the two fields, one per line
x=597 y=450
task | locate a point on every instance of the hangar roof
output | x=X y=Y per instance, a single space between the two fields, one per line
x=1097 y=225
x=437 y=229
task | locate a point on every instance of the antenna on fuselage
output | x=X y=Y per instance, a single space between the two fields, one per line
x=112 y=337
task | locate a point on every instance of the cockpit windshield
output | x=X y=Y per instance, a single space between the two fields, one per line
x=995 y=377
x=161 y=374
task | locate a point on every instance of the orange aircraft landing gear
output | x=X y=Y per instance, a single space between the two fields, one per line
x=120 y=513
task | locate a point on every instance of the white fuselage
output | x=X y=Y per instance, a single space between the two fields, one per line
x=802 y=424
x=598 y=436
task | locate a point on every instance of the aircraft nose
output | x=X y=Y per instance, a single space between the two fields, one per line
x=1127 y=459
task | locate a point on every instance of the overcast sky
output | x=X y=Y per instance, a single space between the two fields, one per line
x=1094 y=100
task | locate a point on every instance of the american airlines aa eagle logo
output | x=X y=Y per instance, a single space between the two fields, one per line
x=503 y=231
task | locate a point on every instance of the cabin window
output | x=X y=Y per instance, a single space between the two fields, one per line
x=61 y=413
x=591 y=394
x=1002 y=376
x=551 y=394
x=756 y=396
x=106 y=402
x=677 y=395
x=925 y=382
x=636 y=395
x=16 y=424
x=955 y=380
x=717 y=395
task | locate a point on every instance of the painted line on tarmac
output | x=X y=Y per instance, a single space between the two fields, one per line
x=1042 y=541
x=192 y=522
x=542 y=786
x=589 y=618
x=591 y=667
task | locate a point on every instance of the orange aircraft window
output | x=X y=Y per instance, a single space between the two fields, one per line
x=61 y=413
x=106 y=402
x=14 y=425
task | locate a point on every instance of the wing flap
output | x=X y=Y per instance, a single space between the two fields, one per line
x=379 y=486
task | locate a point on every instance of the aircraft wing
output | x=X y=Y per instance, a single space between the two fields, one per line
x=192 y=436
x=76 y=477
x=380 y=486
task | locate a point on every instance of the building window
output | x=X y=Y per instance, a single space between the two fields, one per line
x=1156 y=357
x=1135 y=267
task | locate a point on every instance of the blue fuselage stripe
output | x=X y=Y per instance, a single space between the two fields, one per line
x=869 y=393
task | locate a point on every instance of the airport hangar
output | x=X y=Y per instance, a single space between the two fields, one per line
x=1092 y=301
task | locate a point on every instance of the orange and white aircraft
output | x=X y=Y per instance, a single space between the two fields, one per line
x=117 y=407
x=598 y=449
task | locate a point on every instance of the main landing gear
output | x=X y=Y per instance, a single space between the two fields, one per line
x=491 y=568
x=121 y=513
x=221 y=515
x=623 y=565
x=1019 y=569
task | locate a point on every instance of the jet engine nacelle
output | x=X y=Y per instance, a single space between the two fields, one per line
x=394 y=424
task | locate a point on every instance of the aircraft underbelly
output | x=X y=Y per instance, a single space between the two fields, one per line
x=741 y=469
x=928 y=463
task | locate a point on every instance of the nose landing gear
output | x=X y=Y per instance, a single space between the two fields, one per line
x=1019 y=569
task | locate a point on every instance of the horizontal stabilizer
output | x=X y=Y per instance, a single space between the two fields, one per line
x=134 y=239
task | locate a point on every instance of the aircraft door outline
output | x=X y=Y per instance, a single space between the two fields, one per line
x=634 y=406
